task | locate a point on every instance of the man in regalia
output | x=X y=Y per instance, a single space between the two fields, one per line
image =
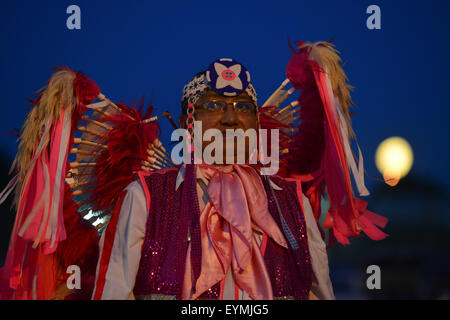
x=220 y=231
x=240 y=223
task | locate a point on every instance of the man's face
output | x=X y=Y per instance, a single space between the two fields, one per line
x=237 y=113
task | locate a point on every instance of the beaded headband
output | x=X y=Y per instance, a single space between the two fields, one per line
x=225 y=76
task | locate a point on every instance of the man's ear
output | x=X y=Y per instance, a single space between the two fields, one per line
x=182 y=121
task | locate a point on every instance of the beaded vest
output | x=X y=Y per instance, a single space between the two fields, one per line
x=162 y=265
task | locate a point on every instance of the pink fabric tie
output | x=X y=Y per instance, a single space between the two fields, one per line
x=238 y=206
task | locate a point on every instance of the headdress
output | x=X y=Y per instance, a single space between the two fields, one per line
x=225 y=76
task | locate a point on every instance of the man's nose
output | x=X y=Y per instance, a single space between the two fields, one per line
x=229 y=117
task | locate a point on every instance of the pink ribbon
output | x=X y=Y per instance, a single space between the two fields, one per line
x=238 y=206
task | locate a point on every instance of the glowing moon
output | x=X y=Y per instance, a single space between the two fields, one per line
x=394 y=159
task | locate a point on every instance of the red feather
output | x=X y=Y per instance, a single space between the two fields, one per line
x=85 y=89
x=127 y=146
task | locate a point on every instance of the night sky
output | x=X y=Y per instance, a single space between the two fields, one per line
x=139 y=48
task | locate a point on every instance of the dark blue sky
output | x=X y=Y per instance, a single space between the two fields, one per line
x=136 y=48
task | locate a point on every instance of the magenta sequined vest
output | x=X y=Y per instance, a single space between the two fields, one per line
x=162 y=265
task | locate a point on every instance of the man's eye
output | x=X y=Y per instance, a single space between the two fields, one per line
x=213 y=105
x=245 y=106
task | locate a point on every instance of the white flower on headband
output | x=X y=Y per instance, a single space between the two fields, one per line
x=228 y=76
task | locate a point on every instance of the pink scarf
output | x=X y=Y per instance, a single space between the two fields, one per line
x=238 y=206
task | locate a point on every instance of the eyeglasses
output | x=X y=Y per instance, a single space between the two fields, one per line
x=239 y=106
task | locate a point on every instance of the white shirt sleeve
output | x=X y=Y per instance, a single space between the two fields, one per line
x=126 y=251
x=321 y=287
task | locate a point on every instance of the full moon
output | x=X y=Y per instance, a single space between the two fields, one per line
x=394 y=159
